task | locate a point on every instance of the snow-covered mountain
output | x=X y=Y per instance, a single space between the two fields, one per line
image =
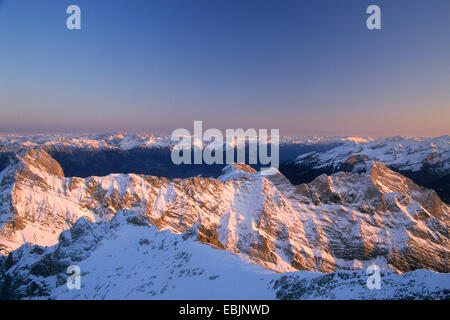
x=403 y=154
x=116 y=141
x=126 y=141
x=127 y=258
x=425 y=161
x=343 y=221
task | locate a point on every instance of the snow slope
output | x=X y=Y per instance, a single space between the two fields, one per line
x=128 y=259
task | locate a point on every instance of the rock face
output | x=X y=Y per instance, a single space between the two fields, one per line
x=342 y=221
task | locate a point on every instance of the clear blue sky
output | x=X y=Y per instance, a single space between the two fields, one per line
x=305 y=67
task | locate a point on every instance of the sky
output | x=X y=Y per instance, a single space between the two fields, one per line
x=304 y=67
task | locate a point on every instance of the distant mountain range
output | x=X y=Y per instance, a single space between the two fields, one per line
x=123 y=141
x=103 y=154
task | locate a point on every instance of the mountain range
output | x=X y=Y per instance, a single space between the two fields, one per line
x=327 y=231
x=124 y=141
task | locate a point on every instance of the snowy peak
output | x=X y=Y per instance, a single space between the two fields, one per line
x=377 y=189
x=33 y=205
x=390 y=182
x=38 y=161
x=30 y=167
x=235 y=171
